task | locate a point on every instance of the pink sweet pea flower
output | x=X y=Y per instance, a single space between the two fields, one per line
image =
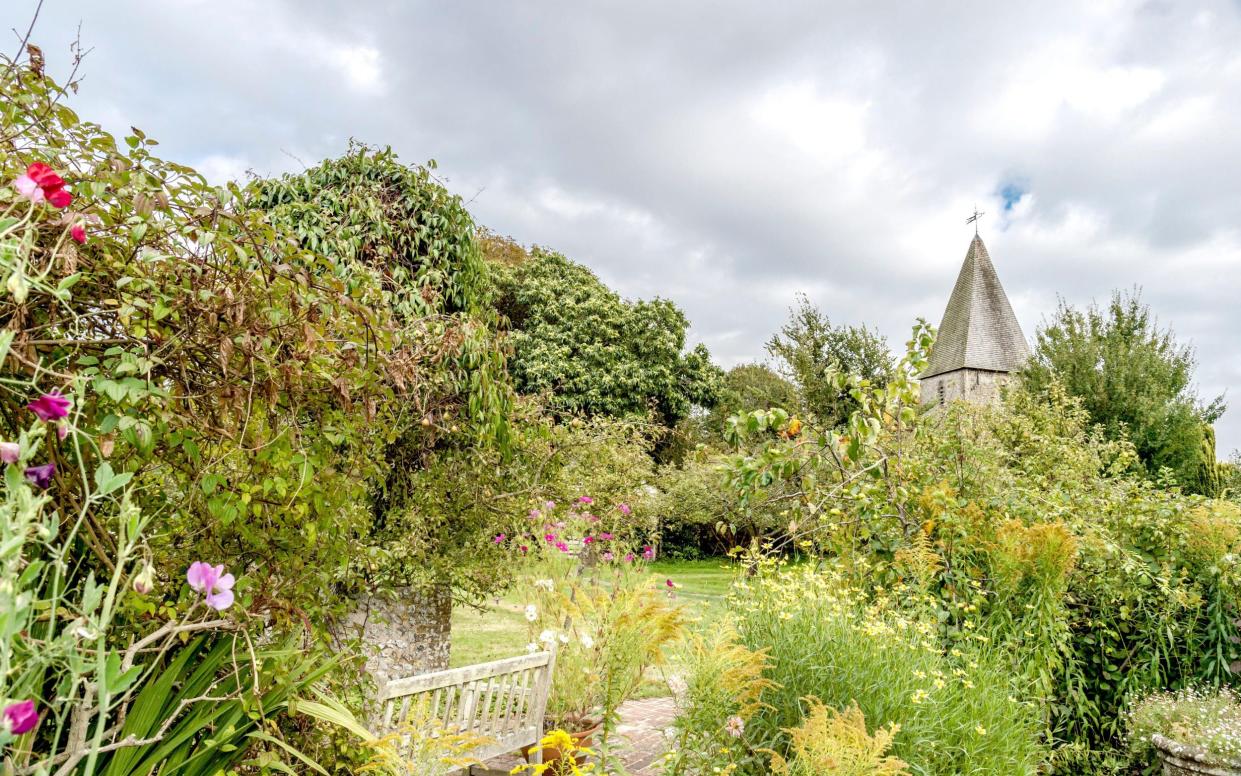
x=26 y=187
x=648 y=553
x=10 y=452
x=78 y=233
x=42 y=183
x=41 y=475
x=50 y=406
x=21 y=717
x=213 y=583
x=624 y=509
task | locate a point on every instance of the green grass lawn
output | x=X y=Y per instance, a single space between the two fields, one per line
x=499 y=629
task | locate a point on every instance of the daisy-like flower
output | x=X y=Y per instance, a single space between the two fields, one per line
x=532 y=612
x=735 y=726
x=587 y=641
x=548 y=636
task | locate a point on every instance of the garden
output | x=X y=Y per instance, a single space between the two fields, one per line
x=274 y=446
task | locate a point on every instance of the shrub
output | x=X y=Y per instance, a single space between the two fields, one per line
x=836 y=742
x=1207 y=719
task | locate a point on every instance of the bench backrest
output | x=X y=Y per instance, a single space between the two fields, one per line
x=504 y=701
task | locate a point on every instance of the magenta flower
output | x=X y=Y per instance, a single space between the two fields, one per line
x=499 y=538
x=624 y=509
x=41 y=475
x=648 y=553
x=629 y=557
x=551 y=537
x=50 y=406
x=78 y=233
x=588 y=540
x=211 y=581
x=606 y=537
x=562 y=546
x=670 y=583
x=10 y=452
x=21 y=717
x=524 y=549
x=585 y=500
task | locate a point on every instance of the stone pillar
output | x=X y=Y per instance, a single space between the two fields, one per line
x=404 y=633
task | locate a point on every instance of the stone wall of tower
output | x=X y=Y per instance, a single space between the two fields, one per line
x=977 y=386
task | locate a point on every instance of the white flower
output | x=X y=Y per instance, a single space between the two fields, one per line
x=545 y=584
x=532 y=612
x=564 y=638
x=532 y=647
x=548 y=636
x=735 y=726
x=587 y=641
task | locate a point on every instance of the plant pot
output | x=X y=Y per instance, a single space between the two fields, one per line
x=552 y=754
x=1187 y=760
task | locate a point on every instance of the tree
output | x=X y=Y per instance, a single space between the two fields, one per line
x=808 y=346
x=591 y=352
x=1134 y=379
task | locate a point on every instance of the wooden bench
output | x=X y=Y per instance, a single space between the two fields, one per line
x=503 y=701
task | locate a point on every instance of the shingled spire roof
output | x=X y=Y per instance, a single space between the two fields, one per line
x=979 y=330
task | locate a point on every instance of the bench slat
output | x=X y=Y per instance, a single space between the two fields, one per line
x=454 y=676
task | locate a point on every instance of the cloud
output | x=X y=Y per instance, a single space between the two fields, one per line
x=728 y=155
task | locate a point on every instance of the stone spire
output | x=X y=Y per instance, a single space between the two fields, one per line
x=980 y=342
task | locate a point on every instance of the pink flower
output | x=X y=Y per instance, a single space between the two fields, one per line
x=78 y=233
x=10 y=452
x=606 y=537
x=629 y=557
x=21 y=717
x=524 y=549
x=50 y=406
x=585 y=500
x=213 y=583
x=549 y=538
x=648 y=553
x=592 y=518
x=62 y=431
x=499 y=538
x=549 y=506
x=588 y=540
x=42 y=183
x=562 y=546
x=624 y=509
x=670 y=583
x=41 y=475
x=735 y=726
x=534 y=514
x=608 y=557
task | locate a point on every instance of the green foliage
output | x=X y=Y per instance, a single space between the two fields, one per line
x=1133 y=378
x=954 y=708
x=589 y=351
x=809 y=346
x=1209 y=721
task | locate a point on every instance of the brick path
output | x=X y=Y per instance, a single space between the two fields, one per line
x=642 y=727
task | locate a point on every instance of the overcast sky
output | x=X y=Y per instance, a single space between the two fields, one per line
x=728 y=155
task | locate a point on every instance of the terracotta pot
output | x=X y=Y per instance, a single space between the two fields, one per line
x=552 y=754
x=1187 y=760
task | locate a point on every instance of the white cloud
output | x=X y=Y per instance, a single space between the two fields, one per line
x=360 y=66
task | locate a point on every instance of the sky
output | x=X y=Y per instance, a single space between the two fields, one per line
x=729 y=155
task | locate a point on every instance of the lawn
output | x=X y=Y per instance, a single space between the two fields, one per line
x=499 y=630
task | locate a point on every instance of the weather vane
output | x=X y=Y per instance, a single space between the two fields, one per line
x=974 y=219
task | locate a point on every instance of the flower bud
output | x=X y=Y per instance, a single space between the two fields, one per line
x=145 y=581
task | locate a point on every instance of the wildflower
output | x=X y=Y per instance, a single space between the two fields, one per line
x=50 y=406
x=78 y=233
x=608 y=557
x=41 y=475
x=10 y=452
x=213 y=583
x=21 y=717
x=648 y=553
x=62 y=431
x=588 y=540
x=629 y=557
x=499 y=538
x=562 y=546
x=549 y=538
x=545 y=584
x=145 y=581
x=624 y=509
x=532 y=612
x=534 y=514
x=549 y=505
x=548 y=636
x=585 y=500
x=587 y=641
x=980 y=730
x=735 y=726
x=606 y=537
x=524 y=549
x=41 y=183
x=670 y=583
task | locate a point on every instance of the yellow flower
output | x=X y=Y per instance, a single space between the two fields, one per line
x=980 y=730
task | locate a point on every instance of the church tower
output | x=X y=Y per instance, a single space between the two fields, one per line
x=980 y=344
